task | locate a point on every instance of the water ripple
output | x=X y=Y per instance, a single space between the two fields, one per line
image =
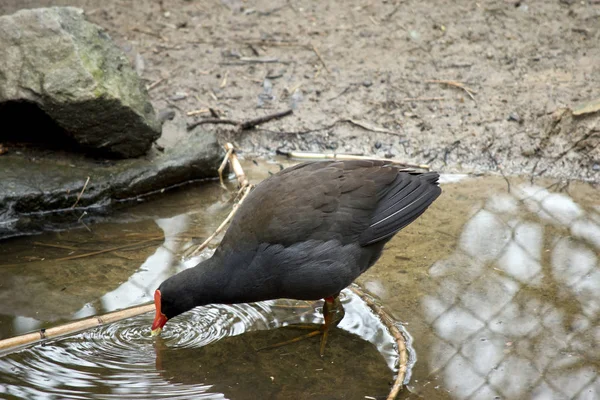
x=120 y=360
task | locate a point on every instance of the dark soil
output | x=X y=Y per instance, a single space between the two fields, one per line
x=374 y=62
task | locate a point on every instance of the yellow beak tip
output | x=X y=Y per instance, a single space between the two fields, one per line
x=156 y=332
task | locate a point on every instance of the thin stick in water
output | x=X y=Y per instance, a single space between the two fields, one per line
x=93 y=253
x=235 y=207
x=398 y=337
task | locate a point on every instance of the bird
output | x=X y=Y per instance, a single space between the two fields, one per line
x=306 y=233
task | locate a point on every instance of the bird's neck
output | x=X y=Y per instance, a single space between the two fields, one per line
x=203 y=284
x=222 y=279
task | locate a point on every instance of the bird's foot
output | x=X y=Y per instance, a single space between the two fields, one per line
x=333 y=312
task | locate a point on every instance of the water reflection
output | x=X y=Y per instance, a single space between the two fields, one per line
x=516 y=312
x=158 y=267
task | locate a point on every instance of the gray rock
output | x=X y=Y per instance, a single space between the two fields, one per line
x=70 y=69
x=39 y=187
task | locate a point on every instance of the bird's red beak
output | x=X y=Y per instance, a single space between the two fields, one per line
x=160 y=319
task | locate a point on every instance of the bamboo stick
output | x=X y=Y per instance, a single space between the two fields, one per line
x=396 y=334
x=10 y=344
x=336 y=156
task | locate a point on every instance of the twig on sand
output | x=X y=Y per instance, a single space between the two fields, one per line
x=369 y=127
x=408 y=99
x=255 y=60
x=147 y=32
x=224 y=82
x=336 y=156
x=13 y=343
x=155 y=84
x=266 y=118
x=81 y=193
x=320 y=58
x=396 y=334
x=196 y=112
x=360 y=124
x=241 y=125
x=459 y=85
x=214 y=121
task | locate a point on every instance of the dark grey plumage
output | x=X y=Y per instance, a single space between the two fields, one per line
x=305 y=233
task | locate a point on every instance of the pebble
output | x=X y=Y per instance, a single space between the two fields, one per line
x=513 y=116
x=178 y=96
x=166 y=114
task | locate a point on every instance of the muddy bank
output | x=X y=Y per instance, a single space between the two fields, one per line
x=522 y=64
x=481 y=87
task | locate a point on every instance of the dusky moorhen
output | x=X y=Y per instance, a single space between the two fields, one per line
x=304 y=233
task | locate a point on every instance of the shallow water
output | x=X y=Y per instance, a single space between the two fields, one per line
x=499 y=289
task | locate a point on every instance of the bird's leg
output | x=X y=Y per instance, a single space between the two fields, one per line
x=333 y=312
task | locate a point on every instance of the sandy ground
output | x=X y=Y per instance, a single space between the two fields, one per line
x=368 y=76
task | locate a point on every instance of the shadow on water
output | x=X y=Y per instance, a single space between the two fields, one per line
x=499 y=289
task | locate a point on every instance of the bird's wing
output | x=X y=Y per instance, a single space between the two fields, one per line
x=348 y=201
x=405 y=200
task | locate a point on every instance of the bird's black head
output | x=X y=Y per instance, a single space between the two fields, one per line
x=169 y=303
x=203 y=284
